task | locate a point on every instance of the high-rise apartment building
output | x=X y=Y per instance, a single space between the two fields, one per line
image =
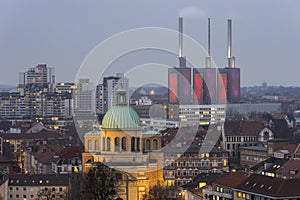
x=84 y=97
x=41 y=74
x=106 y=92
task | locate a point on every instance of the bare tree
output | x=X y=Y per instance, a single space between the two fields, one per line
x=100 y=183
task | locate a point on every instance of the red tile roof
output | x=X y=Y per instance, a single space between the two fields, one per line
x=243 y=128
x=290 y=169
x=71 y=152
x=269 y=186
x=45 y=157
x=284 y=146
x=233 y=179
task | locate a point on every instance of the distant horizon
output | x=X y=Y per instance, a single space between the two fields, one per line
x=265 y=34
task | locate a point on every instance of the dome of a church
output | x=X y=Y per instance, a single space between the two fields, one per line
x=121 y=118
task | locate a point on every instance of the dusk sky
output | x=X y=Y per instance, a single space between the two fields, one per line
x=266 y=34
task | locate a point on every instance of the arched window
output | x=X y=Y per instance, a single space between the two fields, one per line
x=117 y=144
x=103 y=144
x=97 y=148
x=108 y=144
x=155 y=144
x=138 y=144
x=132 y=143
x=89 y=145
x=148 y=144
x=124 y=143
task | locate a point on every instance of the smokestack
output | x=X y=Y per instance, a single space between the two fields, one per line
x=180 y=30
x=182 y=61
x=208 y=59
x=208 y=37
x=231 y=60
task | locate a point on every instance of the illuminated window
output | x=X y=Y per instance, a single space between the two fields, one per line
x=225 y=163
x=239 y=194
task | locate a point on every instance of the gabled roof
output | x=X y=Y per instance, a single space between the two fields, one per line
x=233 y=179
x=291 y=169
x=45 y=157
x=272 y=164
x=70 y=152
x=243 y=128
x=271 y=187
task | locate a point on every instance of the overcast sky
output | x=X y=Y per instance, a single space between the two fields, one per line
x=266 y=34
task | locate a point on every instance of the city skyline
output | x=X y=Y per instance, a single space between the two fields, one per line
x=265 y=35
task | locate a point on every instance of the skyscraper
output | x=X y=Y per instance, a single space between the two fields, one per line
x=106 y=92
x=84 y=97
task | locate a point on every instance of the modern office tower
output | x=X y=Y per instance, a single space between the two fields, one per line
x=41 y=74
x=84 y=97
x=106 y=92
x=194 y=115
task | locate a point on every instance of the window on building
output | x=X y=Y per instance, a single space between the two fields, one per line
x=228 y=146
x=117 y=144
x=196 y=172
x=108 y=144
x=155 y=144
x=138 y=144
x=148 y=144
x=89 y=145
x=132 y=143
x=124 y=143
x=103 y=144
x=214 y=163
x=24 y=196
x=24 y=188
x=97 y=148
x=17 y=196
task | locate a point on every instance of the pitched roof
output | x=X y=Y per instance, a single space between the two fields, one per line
x=71 y=152
x=45 y=157
x=233 y=179
x=269 y=186
x=291 y=169
x=273 y=164
x=243 y=128
x=285 y=146
x=30 y=136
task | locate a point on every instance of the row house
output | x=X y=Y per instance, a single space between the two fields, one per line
x=182 y=164
x=21 y=186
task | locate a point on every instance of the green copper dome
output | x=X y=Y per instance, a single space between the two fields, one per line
x=121 y=118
